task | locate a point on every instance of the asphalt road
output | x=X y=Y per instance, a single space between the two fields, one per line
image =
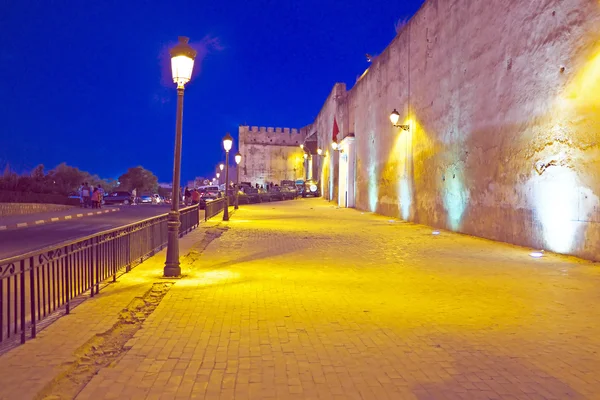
x=19 y=241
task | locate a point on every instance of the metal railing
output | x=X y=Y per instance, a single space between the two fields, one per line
x=213 y=208
x=39 y=284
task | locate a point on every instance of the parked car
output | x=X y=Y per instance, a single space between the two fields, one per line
x=252 y=193
x=207 y=197
x=146 y=199
x=311 y=188
x=277 y=193
x=118 y=198
x=157 y=199
x=289 y=193
x=264 y=195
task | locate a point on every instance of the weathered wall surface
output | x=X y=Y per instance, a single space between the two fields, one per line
x=270 y=154
x=503 y=101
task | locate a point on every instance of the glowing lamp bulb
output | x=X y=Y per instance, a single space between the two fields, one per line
x=302 y=146
x=182 y=62
x=320 y=152
x=334 y=145
x=221 y=166
x=238 y=158
x=227 y=142
x=218 y=175
x=305 y=156
x=394 y=117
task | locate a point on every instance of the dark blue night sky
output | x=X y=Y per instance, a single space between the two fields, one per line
x=87 y=82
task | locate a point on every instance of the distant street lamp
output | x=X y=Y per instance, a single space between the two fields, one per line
x=227 y=143
x=238 y=159
x=182 y=65
x=221 y=166
x=334 y=145
x=306 y=165
x=320 y=152
x=218 y=175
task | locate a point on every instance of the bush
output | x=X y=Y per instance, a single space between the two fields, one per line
x=7 y=196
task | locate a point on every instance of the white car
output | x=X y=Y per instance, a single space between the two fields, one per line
x=156 y=199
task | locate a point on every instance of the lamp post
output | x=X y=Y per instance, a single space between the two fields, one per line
x=306 y=166
x=227 y=143
x=238 y=159
x=221 y=166
x=182 y=65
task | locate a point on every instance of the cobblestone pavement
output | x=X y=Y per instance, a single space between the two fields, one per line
x=301 y=300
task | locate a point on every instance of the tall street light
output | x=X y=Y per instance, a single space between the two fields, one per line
x=238 y=159
x=182 y=65
x=227 y=143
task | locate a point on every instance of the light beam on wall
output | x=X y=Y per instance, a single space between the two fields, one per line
x=456 y=197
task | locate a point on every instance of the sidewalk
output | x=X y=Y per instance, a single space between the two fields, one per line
x=300 y=300
x=27 y=220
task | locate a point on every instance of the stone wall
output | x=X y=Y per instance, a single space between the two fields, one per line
x=7 y=209
x=503 y=102
x=270 y=154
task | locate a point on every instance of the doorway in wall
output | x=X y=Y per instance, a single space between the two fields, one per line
x=347 y=174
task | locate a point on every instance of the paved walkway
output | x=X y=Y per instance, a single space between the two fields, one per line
x=300 y=300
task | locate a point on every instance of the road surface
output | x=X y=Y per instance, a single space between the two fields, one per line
x=19 y=241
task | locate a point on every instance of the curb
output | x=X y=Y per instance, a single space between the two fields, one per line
x=56 y=219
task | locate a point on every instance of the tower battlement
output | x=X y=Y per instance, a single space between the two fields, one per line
x=274 y=136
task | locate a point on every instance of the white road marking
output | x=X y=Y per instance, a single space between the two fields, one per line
x=68 y=217
x=80 y=215
x=41 y=221
x=3 y=227
x=22 y=225
x=54 y=219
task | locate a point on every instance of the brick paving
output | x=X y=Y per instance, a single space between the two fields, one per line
x=301 y=300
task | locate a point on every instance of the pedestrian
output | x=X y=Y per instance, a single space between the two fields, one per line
x=186 y=196
x=80 y=191
x=95 y=198
x=101 y=195
x=195 y=197
x=134 y=196
x=85 y=191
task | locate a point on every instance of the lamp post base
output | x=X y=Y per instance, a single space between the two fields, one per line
x=172 y=268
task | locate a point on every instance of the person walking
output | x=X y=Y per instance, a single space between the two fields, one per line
x=195 y=196
x=101 y=196
x=95 y=198
x=85 y=191
x=134 y=195
x=80 y=192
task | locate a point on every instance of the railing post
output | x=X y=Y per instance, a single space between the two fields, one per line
x=32 y=297
x=22 y=278
x=90 y=258
x=67 y=281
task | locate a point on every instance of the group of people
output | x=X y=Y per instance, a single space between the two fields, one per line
x=191 y=196
x=90 y=196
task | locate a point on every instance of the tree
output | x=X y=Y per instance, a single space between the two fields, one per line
x=68 y=178
x=140 y=179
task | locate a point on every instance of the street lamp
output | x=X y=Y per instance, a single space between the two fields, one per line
x=320 y=152
x=306 y=163
x=394 y=117
x=182 y=65
x=221 y=166
x=238 y=159
x=334 y=145
x=227 y=143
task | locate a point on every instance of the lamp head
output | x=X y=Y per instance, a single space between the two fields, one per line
x=238 y=158
x=394 y=117
x=227 y=142
x=182 y=61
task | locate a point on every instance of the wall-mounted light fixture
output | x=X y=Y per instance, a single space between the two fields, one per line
x=305 y=156
x=394 y=117
x=334 y=145
x=302 y=146
x=320 y=152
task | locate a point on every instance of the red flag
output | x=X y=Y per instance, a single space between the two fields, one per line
x=336 y=130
